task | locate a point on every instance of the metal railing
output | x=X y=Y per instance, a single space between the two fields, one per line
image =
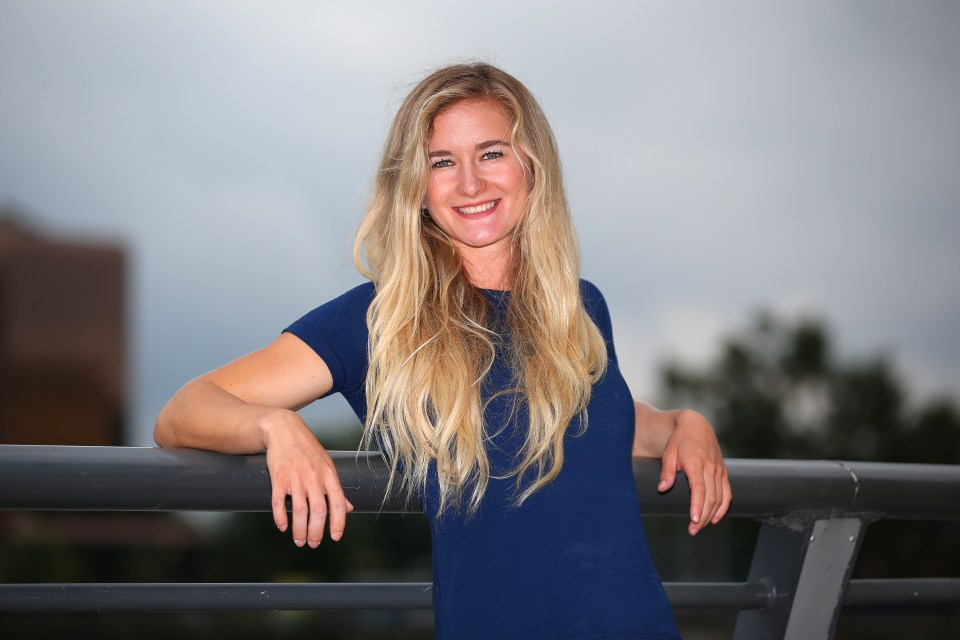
x=814 y=515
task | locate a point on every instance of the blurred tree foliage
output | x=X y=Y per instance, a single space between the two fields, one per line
x=779 y=390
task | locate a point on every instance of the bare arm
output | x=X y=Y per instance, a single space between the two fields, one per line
x=685 y=441
x=229 y=409
x=248 y=406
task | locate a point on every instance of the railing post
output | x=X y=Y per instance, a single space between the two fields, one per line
x=777 y=559
x=809 y=563
x=831 y=554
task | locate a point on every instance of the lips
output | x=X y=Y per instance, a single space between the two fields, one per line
x=480 y=208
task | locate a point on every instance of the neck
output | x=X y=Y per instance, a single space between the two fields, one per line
x=489 y=275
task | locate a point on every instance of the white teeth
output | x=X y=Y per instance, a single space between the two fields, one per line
x=478 y=209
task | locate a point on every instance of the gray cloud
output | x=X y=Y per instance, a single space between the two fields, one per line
x=718 y=158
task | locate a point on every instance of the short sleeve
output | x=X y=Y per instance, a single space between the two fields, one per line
x=337 y=331
x=596 y=307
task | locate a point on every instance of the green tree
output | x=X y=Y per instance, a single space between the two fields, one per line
x=779 y=390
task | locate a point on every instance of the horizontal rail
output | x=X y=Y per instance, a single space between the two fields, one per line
x=814 y=515
x=103 y=598
x=903 y=591
x=266 y=596
x=160 y=597
x=77 y=478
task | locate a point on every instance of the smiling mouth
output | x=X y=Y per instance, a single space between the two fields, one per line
x=480 y=208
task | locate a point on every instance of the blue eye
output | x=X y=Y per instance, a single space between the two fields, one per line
x=492 y=155
x=439 y=164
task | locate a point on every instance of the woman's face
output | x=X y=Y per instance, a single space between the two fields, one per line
x=478 y=186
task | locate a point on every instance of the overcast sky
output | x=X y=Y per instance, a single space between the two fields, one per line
x=802 y=157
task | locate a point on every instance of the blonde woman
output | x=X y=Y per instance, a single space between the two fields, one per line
x=484 y=368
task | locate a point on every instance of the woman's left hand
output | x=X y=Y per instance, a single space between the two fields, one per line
x=693 y=448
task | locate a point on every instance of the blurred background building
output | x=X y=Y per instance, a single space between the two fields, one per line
x=63 y=381
x=62 y=339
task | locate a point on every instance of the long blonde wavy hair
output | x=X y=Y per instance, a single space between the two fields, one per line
x=431 y=343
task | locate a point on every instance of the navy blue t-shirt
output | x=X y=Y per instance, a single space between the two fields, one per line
x=570 y=562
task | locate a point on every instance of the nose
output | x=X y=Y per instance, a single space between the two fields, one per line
x=470 y=183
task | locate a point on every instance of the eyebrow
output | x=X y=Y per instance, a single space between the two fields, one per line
x=480 y=147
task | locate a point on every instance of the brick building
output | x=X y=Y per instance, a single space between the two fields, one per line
x=62 y=339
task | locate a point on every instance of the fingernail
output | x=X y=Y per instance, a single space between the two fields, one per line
x=662 y=485
x=299 y=543
x=336 y=534
x=696 y=518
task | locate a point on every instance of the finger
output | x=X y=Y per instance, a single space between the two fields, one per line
x=711 y=495
x=300 y=511
x=338 y=507
x=726 y=497
x=317 y=513
x=718 y=483
x=278 y=504
x=668 y=470
x=697 y=492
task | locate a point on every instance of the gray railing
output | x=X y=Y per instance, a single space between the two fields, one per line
x=814 y=515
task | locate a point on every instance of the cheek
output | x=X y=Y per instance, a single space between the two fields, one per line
x=521 y=188
x=435 y=190
x=517 y=180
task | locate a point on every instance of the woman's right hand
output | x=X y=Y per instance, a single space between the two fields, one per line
x=301 y=468
x=250 y=406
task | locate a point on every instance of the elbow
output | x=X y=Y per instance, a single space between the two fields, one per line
x=158 y=437
x=168 y=430
x=162 y=430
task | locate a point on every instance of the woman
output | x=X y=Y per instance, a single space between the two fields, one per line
x=484 y=369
